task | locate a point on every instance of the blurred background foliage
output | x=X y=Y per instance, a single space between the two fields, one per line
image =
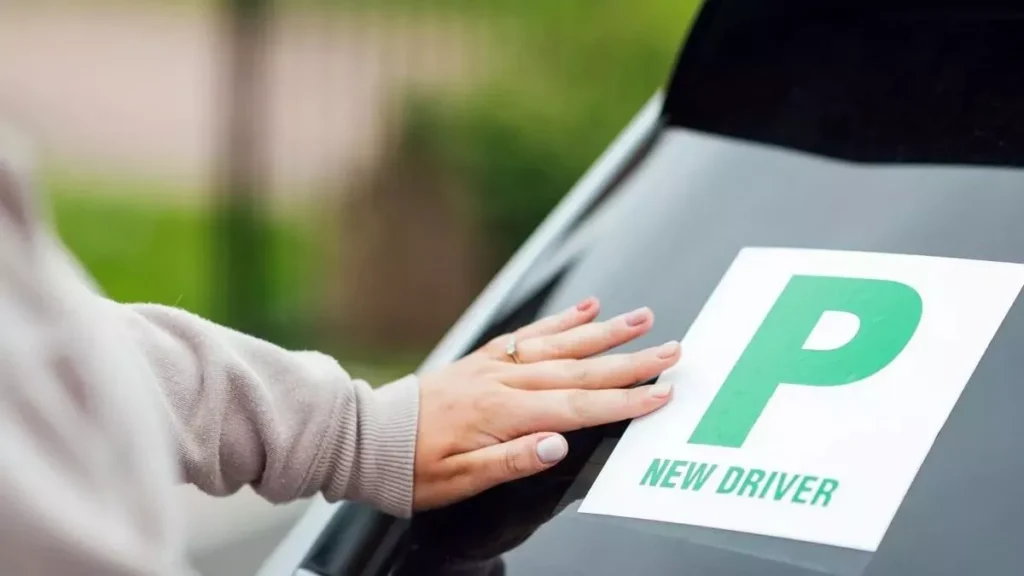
x=557 y=81
x=563 y=78
x=141 y=250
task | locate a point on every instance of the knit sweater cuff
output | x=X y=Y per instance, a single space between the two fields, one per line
x=381 y=468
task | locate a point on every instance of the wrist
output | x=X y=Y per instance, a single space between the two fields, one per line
x=381 y=451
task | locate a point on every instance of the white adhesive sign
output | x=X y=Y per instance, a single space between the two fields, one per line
x=811 y=388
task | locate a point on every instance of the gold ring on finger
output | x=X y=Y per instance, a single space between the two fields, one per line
x=511 y=350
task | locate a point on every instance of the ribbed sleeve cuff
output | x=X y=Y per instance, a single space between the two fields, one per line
x=385 y=449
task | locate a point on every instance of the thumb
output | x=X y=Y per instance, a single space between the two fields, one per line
x=514 y=459
x=488 y=467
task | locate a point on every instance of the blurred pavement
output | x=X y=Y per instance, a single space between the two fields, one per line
x=134 y=88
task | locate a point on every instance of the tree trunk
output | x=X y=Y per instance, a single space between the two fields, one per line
x=407 y=262
x=240 y=266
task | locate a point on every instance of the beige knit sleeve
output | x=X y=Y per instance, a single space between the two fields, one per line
x=290 y=424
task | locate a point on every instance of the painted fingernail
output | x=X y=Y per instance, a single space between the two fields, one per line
x=661 y=389
x=585 y=305
x=637 y=317
x=667 y=350
x=552 y=449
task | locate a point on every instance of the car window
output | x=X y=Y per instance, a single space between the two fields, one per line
x=878 y=81
x=676 y=225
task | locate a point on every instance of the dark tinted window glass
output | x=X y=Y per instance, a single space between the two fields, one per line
x=895 y=80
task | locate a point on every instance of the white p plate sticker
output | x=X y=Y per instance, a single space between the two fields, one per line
x=811 y=387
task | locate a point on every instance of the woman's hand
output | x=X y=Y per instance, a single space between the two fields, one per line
x=486 y=419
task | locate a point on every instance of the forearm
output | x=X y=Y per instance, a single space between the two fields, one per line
x=290 y=424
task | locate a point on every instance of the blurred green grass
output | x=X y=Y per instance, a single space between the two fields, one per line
x=142 y=247
x=149 y=242
x=138 y=250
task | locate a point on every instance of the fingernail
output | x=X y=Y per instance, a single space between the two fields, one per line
x=637 y=317
x=552 y=449
x=667 y=350
x=661 y=389
x=585 y=305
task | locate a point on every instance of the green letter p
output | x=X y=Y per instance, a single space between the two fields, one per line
x=888 y=314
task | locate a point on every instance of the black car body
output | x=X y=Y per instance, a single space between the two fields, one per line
x=892 y=127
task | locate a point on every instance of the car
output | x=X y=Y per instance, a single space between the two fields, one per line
x=793 y=134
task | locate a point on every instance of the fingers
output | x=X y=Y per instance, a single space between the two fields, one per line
x=587 y=339
x=565 y=410
x=612 y=371
x=500 y=463
x=580 y=314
